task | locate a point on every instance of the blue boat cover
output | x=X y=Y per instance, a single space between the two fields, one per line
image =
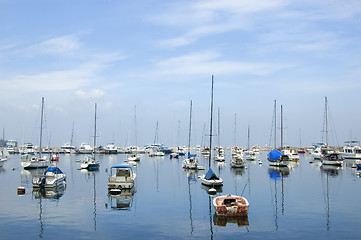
x=55 y=170
x=122 y=166
x=191 y=155
x=210 y=175
x=274 y=155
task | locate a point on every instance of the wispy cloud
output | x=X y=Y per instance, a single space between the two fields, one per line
x=62 y=45
x=210 y=62
x=54 y=80
x=204 y=18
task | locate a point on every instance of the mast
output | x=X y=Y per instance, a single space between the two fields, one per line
x=95 y=129
x=235 y=129
x=326 y=121
x=190 y=130
x=275 y=114
x=219 y=129
x=281 y=127
x=210 y=128
x=72 y=135
x=248 y=132
x=135 y=126
x=41 y=124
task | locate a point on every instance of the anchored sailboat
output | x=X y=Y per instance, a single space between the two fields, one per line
x=210 y=178
x=90 y=163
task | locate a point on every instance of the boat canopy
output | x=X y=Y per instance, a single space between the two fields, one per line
x=55 y=170
x=275 y=154
x=122 y=166
x=210 y=175
x=191 y=155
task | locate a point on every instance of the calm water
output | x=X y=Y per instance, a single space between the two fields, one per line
x=303 y=202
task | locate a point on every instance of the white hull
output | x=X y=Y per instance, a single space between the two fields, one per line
x=212 y=183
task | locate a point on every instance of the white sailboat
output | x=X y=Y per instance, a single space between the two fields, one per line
x=190 y=162
x=329 y=156
x=91 y=164
x=134 y=156
x=30 y=160
x=210 y=178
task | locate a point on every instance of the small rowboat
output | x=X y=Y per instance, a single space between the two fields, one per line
x=231 y=205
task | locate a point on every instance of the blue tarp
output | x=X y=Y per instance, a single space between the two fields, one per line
x=55 y=170
x=210 y=175
x=274 y=155
x=192 y=155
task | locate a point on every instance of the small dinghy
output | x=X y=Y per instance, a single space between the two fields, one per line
x=231 y=205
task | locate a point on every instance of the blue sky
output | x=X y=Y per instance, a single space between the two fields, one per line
x=159 y=55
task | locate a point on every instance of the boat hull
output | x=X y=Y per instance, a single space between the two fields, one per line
x=231 y=205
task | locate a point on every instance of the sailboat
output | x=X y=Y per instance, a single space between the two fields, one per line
x=328 y=156
x=220 y=151
x=276 y=157
x=90 y=163
x=134 y=156
x=249 y=154
x=190 y=162
x=210 y=178
x=30 y=160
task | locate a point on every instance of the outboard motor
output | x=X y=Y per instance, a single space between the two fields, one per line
x=42 y=182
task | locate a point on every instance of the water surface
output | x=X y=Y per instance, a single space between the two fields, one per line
x=303 y=201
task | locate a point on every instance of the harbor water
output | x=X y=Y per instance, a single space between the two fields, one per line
x=304 y=201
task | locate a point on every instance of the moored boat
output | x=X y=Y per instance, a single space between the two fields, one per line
x=231 y=205
x=51 y=178
x=123 y=178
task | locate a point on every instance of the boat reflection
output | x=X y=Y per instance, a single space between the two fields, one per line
x=49 y=193
x=241 y=221
x=238 y=171
x=219 y=189
x=330 y=169
x=123 y=200
x=276 y=174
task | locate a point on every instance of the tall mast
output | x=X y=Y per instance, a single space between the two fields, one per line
x=281 y=127
x=41 y=124
x=135 y=125
x=275 y=114
x=326 y=121
x=95 y=129
x=190 y=129
x=248 y=132
x=235 y=129
x=219 y=129
x=210 y=128
x=72 y=135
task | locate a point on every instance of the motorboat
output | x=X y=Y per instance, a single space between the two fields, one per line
x=29 y=161
x=351 y=150
x=85 y=148
x=231 y=205
x=51 y=178
x=190 y=163
x=121 y=177
x=110 y=148
x=238 y=162
x=134 y=157
x=67 y=148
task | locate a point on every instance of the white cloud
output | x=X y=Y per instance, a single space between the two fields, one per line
x=94 y=93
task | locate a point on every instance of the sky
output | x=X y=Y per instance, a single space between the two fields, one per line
x=142 y=62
